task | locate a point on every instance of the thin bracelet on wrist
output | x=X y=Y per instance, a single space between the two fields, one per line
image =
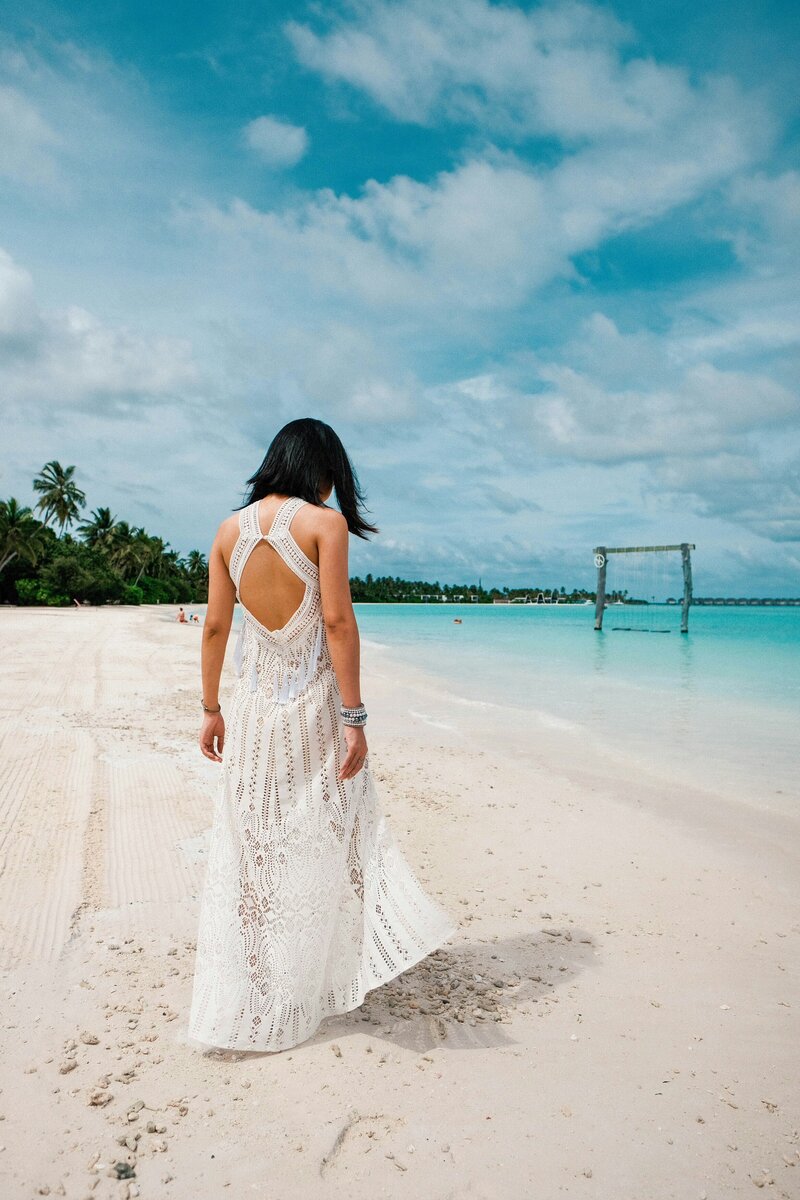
x=211 y=710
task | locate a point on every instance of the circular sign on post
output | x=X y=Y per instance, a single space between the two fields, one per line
x=599 y=560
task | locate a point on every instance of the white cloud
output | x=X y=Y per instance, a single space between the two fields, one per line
x=705 y=410
x=722 y=443
x=763 y=496
x=752 y=315
x=344 y=369
x=277 y=143
x=78 y=125
x=774 y=204
x=69 y=359
x=20 y=321
x=614 y=397
x=486 y=234
x=26 y=140
x=562 y=70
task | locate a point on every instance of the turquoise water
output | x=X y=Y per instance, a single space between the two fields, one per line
x=506 y=652
x=718 y=706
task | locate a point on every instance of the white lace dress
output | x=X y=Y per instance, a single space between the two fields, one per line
x=308 y=901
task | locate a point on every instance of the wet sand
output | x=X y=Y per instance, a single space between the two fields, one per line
x=617 y=1016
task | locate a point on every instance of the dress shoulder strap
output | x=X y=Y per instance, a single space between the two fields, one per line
x=249 y=535
x=281 y=539
x=248 y=521
x=283 y=517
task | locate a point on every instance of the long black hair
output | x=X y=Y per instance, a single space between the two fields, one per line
x=304 y=456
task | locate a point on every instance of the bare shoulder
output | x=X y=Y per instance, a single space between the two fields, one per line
x=226 y=535
x=322 y=521
x=332 y=520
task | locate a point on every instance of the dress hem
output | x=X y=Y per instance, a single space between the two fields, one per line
x=430 y=947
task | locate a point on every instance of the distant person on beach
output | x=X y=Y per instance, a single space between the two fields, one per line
x=182 y=616
x=308 y=901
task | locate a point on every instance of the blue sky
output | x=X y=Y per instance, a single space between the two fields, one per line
x=539 y=265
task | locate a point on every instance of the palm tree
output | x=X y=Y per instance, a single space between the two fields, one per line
x=156 y=563
x=21 y=535
x=142 y=544
x=197 y=566
x=99 y=531
x=60 y=495
x=171 y=560
x=129 y=550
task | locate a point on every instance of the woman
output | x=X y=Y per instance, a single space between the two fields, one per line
x=308 y=901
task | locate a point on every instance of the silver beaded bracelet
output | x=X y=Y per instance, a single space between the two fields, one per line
x=354 y=716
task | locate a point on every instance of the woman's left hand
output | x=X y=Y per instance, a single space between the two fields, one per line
x=356 y=743
x=212 y=729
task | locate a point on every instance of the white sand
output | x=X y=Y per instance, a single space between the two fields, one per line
x=650 y=1048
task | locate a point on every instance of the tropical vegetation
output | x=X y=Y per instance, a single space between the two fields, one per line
x=52 y=554
x=388 y=589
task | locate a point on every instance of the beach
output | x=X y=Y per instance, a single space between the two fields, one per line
x=617 y=1016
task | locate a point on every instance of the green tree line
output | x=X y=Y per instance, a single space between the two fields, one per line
x=394 y=590
x=104 y=561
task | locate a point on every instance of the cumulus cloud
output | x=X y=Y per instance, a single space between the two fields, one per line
x=21 y=325
x=563 y=70
x=70 y=359
x=762 y=495
x=489 y=232
x=703 y=436
x=26 y=140
x=277 y=143
x=704 y=411
x=76 y=123
x=637 y=140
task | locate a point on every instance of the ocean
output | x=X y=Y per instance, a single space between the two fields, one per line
x=718 y=707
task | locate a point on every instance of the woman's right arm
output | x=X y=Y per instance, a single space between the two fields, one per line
x=216 y=627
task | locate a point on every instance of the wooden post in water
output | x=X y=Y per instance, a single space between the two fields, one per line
x=686 y=558
x=601 y=554
x=601 y=561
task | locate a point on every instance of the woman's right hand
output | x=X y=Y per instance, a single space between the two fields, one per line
x=212 y=736
x=356 y=742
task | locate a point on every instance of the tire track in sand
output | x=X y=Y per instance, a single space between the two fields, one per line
x=50 y=786
x=145 y=862
x=41 y=868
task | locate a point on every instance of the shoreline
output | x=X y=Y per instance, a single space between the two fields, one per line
x=538 y=740
x=647 y=945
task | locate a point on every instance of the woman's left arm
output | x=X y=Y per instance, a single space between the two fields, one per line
x=216 y=628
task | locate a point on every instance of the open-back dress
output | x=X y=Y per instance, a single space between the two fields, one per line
x=308 y=902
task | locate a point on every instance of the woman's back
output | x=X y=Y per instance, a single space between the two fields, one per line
x=284 y=658
x=268 y=587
